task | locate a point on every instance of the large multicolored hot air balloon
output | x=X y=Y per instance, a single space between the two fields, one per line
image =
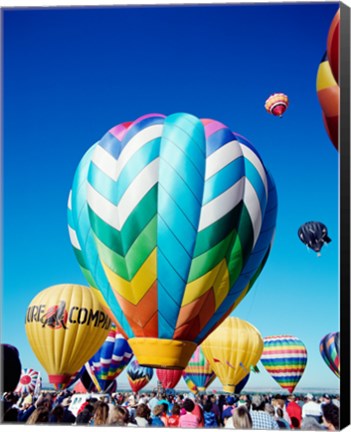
x=10 y=368
x=199 y=371
x=330 y=348
x=28 y=381
x=314 y=235
x=284 y=358
x=277 y=104
x=169 y=378
x=65 y=326
x=328 y=92
x=231 y=350
x=138 y=376
x=164 y=214
x=111 y=359
x=333 y=45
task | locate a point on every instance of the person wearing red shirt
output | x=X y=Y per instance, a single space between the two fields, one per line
x=295 y=412
x=173 y=420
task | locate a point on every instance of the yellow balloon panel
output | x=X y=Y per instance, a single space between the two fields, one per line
x=232 y=349
x=65 y=326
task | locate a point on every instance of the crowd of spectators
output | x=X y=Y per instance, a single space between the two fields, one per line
x=154 y=409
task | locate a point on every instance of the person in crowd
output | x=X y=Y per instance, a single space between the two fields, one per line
x=228 y=408
x=242 y=418
x=330 y=416
x=312 y=408
x=39 y=415
x=156 y=419
x=153 y=401
x=142 y=415
x=164 y=414
x=295 y=412
x=85 y=416
x=100 y=414
x=279 y=417
x=119 y=416
x=189 y=420
x=173 y=420
x=210 y=418
x=280 y=403
x=310 y=423
x=56 y=414
x=260 y=418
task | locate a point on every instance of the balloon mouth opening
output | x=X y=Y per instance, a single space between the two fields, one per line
x=59 y=381
x=229 y=388
x=162 y=353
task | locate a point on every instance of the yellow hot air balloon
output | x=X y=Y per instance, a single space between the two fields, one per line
x=232 y=349
x=65 y=326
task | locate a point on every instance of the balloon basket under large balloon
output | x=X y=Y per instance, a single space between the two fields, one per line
x=162 y=353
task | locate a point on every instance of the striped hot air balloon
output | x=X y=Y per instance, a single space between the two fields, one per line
x=284 y=358
x=329 y=348
x=138 y=376
x=28 y=381
x=277 y=104
x=166 y=219
x=199 y=371
x=111 y=359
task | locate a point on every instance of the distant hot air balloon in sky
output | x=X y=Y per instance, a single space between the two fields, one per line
x=333 y=45
x=28 y=381
x=163 y=215
x=284 y=358
x=169 y=378
x=65 y=326
x=138 y=376
x=277 y=104
x=199 y=370
x=111 y=358
x=232 y=349
x=328 y=92
x=10 y=368
x=330 y=348
x=314 y=235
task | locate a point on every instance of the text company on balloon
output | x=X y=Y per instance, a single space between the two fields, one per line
x=76 y=315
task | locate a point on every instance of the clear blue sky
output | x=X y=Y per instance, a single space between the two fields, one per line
x=71 y=74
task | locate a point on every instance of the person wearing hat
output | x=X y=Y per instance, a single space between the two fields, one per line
x=312 y=408
x=228 y=408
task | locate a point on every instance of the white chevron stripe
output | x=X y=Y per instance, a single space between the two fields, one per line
x=250 y=155
x=222 y=157
x=112 y=167
x=69 y=204
x=74 y=239
x=253 y=207
x=116 y=216
x=221 y=205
